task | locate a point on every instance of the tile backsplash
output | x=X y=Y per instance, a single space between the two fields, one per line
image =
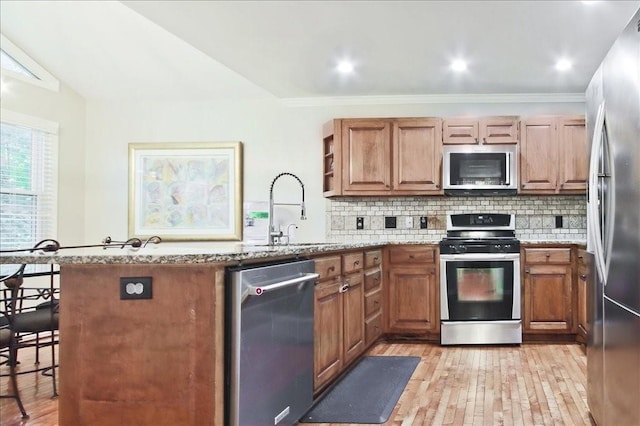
x=535 y=216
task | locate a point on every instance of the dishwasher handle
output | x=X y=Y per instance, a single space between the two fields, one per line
x=259 y=290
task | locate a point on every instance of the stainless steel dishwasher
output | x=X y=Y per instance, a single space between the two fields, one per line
x=269 y=341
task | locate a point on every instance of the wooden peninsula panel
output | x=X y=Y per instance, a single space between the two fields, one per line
x=158 y=361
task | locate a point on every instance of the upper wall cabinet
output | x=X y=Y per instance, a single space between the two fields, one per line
x=382 y=156
x=483 y=130
x=553 y=155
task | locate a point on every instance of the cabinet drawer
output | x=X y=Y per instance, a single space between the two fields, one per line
x=547 y=255
x=353 y=279
x=372 y=303
x=328 y=267
x=372 y=258
x=352 y=262
x=372 y=328
x=328 y=288
x=583 y=260
x=412 y=254
x=372 y=279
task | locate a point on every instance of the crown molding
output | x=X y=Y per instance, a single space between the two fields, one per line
x=497 y=98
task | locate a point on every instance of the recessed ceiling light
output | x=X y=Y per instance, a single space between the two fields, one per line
x=458 y=65
x=345 y=67
x=563 y=65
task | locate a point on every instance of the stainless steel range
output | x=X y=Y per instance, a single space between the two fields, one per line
x=480 y=280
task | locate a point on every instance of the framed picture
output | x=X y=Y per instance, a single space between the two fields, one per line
x=186 y=191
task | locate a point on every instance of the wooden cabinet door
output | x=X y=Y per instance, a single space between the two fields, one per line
x=583 y=283
x=538 y=155
x=548 y=299
x=499 y=130
x=353 y=327
x=417 y=154
x=460 y=131
x=413 y=299
x=582 y=306
x=328 y=335
x=573 y=155
x=366 y=152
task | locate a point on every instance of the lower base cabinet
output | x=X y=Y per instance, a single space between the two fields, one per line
x=412 y=291
x=327 y=333
x=548 y=291
x=339 y=330
x=583 y=281
x=373 y=296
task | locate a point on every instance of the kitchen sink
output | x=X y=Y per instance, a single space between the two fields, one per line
x=287 y=245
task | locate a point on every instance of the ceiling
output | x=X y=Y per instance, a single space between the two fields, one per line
x=289 y=49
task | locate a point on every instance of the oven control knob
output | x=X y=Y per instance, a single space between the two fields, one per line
x=507 y=247
x=499 y=248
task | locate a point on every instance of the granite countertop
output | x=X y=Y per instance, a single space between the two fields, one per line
x=580 y=242
x=177 y=253
x=168 y=253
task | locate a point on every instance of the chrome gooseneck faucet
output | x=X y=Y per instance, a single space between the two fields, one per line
x=273 y=234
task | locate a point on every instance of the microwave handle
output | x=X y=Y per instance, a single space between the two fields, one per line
x=508 y=169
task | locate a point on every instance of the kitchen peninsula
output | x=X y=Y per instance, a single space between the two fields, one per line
x=157 y=361
x=161 y=361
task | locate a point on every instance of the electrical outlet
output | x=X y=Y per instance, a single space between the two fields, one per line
x=359 y=222
x=408 y=222
x=389 y=222
x=423 y=222
x=135 y=288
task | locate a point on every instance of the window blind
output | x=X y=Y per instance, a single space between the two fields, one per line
x=28 y=182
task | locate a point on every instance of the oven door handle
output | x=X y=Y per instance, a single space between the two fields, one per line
x=484 y=257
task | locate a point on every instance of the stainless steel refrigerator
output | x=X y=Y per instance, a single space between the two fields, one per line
x=613 y=221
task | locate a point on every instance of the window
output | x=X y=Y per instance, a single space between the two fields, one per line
x=8 y=63
x=28 y=181
x=17 y=64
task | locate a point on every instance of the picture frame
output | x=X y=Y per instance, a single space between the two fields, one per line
x=183 y=191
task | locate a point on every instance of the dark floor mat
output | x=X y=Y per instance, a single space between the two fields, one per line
x=367 y=394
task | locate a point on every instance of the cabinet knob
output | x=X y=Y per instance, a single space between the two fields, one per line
x=583 y=277
x=356 y=263
x=344 y=288
x=526 y=271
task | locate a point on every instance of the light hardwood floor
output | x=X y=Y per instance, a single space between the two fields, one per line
x=532 y=384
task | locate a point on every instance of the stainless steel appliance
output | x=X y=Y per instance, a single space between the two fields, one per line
x=480 y=280
x=480 y=169
x=269 y=340
x=613 y=221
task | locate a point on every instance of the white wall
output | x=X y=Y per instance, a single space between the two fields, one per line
x=66 y=108
x=276 y=138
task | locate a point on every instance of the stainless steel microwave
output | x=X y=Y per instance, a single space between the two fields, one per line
x=480 y=169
